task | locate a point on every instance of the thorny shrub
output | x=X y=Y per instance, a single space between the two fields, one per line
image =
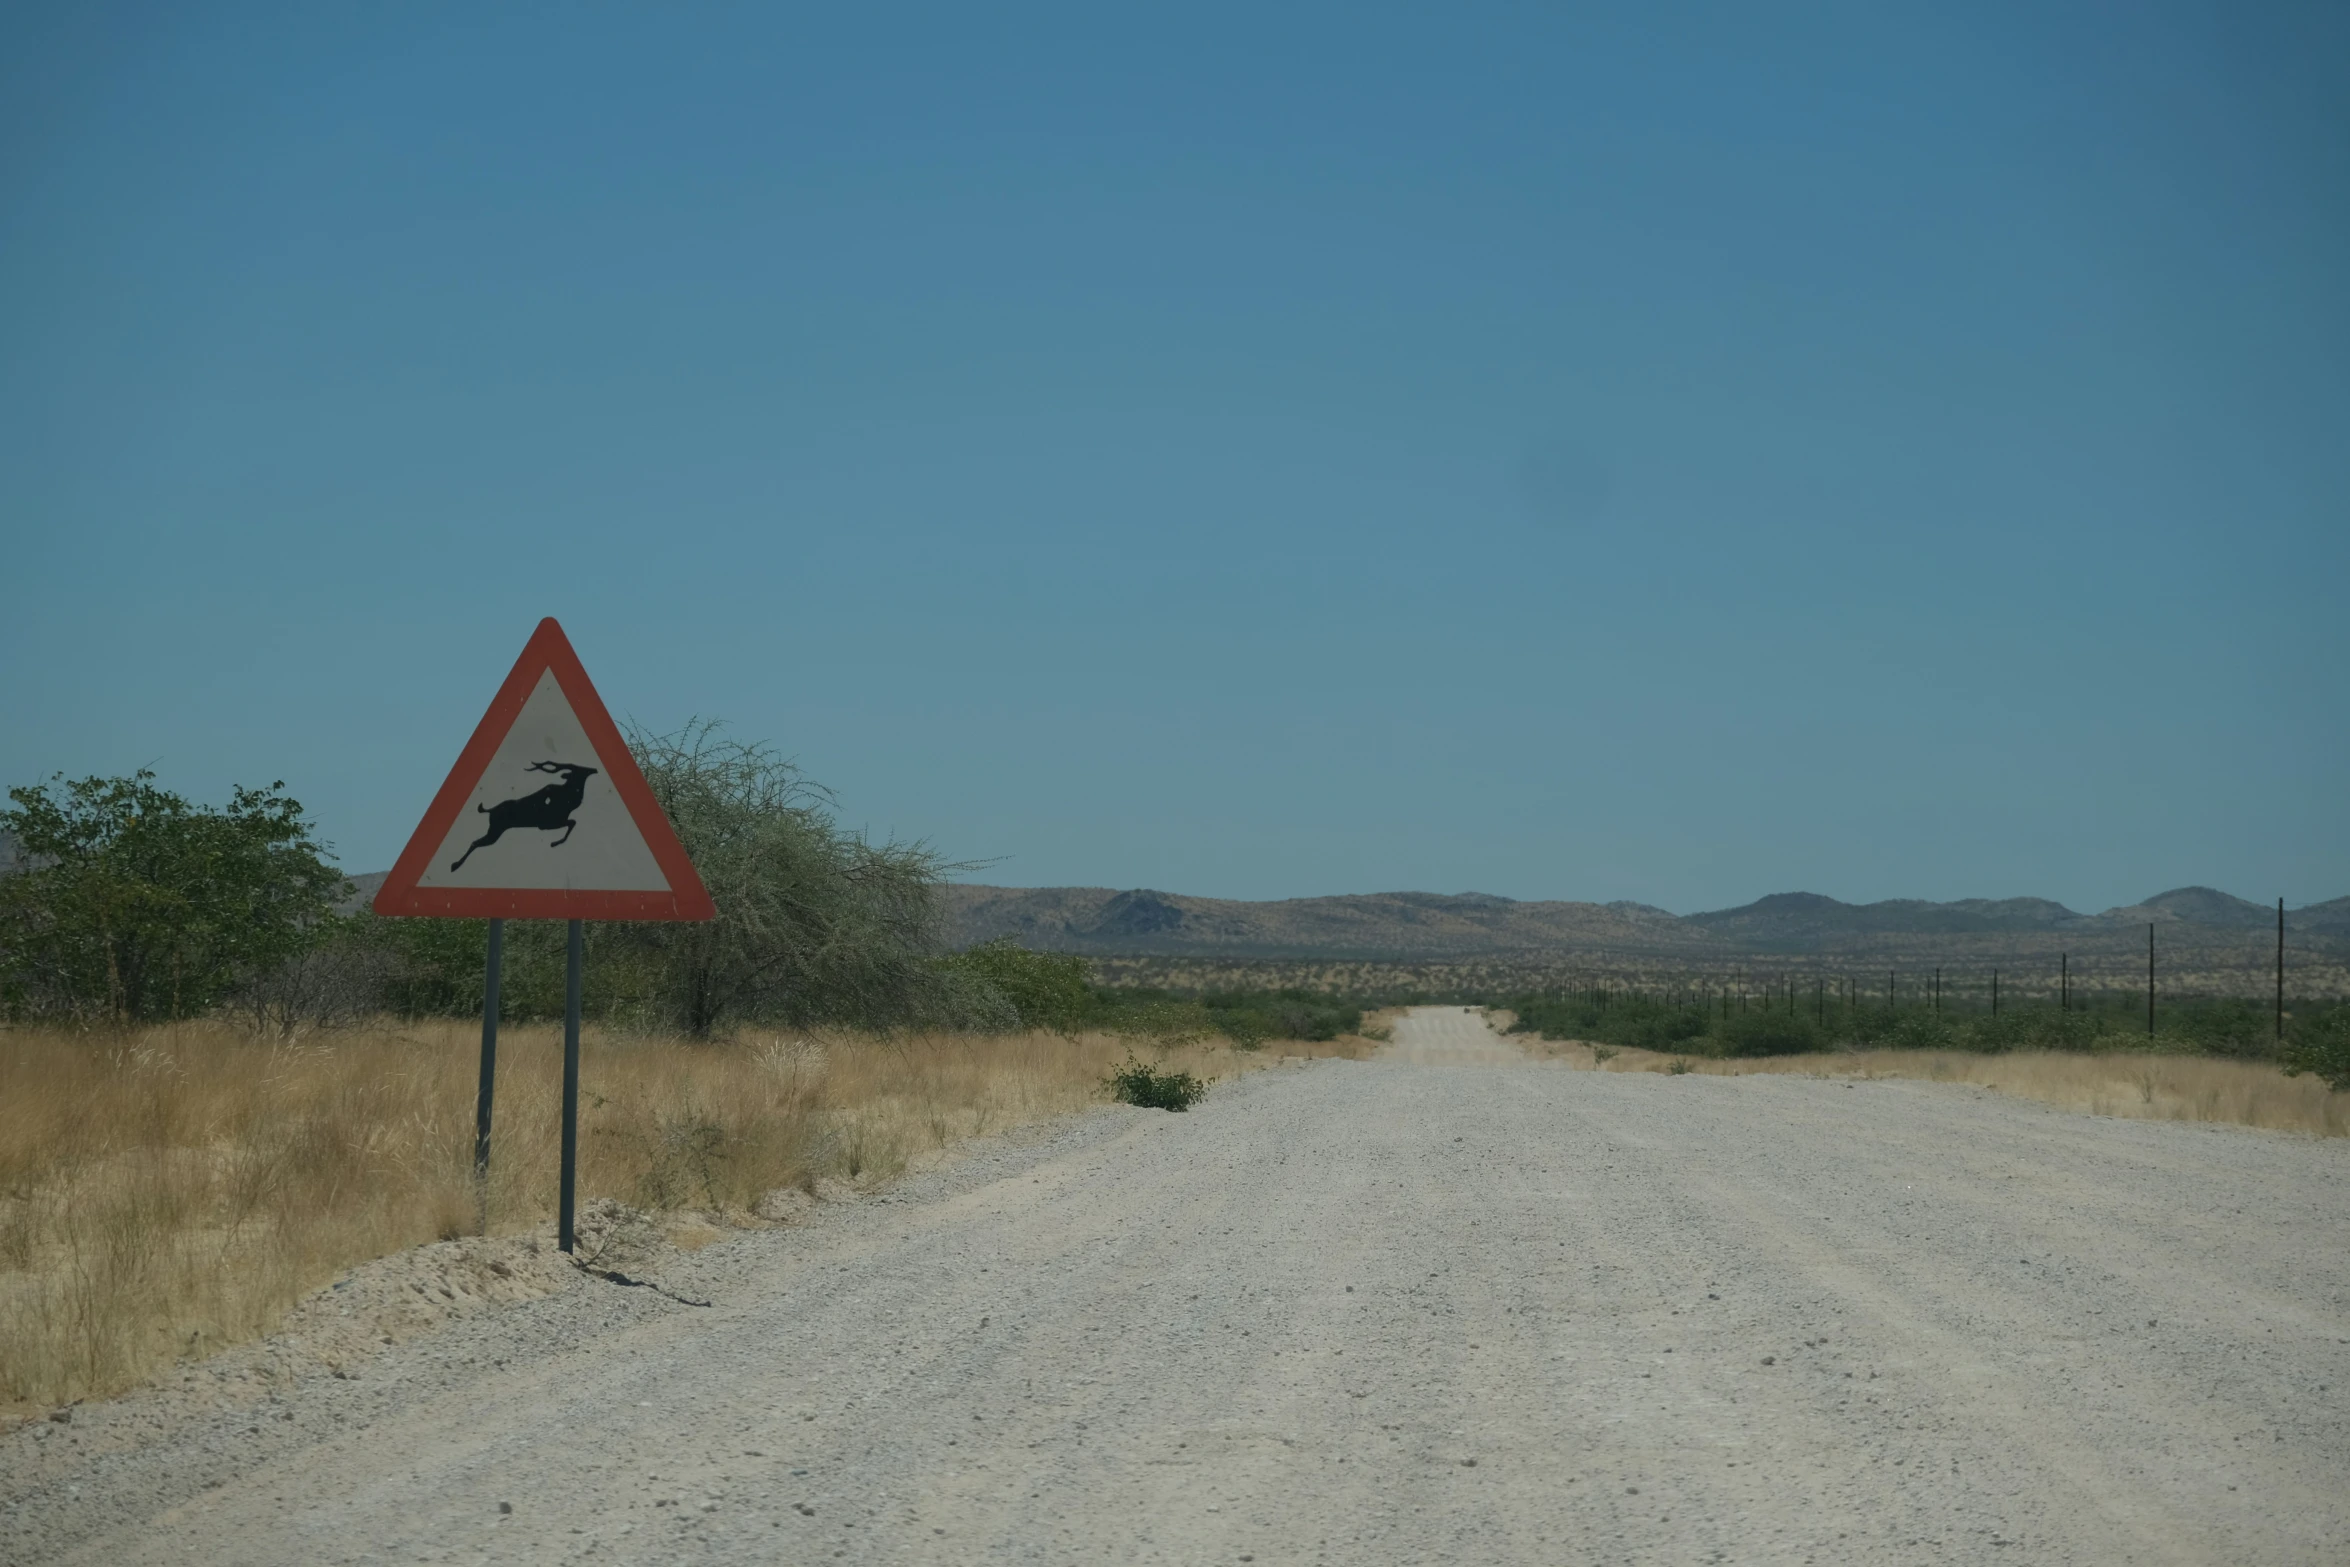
x=1138 y=1083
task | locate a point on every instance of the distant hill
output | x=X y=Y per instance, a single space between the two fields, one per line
x=1102 y=921
x=2332 y=918
x=2201 y=906
x=1372 y=925
x=1467 y=926
x=1809 y=917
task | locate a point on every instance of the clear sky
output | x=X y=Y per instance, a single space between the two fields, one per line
x=1879 y=449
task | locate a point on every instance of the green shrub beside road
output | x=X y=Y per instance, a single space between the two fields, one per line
x=1043 y=989
x=1139 y=1084
x=1249 y=1018
x=2322 y=1046
x=2317 y=1037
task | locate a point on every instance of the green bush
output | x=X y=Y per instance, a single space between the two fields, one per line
x=1166 y=1022
x=1043 y=989
x=1627 y=1022
x=1250 y=1017
x=1767 y=1032
x=2231 y=1028
x=1137 y=1083
x=2241 y=1030
x=1915 y=1030
x=1245 y=1030
x=2238 y=1030
x=2320 y=1044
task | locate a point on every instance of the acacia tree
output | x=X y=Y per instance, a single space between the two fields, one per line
x=815 y=923
x=131 y=903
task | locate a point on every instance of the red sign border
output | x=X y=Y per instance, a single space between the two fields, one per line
x=401 y=898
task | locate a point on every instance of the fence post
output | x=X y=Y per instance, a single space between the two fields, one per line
x=2280 y=971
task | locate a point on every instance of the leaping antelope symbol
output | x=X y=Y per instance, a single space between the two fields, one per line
x=548 y=809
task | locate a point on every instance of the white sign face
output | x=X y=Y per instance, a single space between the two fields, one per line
x=545 y=814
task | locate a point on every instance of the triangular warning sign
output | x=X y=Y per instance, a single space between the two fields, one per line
x=545 y=816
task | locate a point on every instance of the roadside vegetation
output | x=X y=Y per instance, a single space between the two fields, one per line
x=222 y=1081
x=133 y=906
x=2316 y=1037
x=2207 y=1060
x=2136 y=1084
x=1149 y=1087
x=1055 y=990
x=171 y=1189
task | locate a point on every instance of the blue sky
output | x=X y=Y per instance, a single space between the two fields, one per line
x=1680 y=454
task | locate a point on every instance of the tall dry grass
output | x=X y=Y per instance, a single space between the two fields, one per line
x=174 y=1190
x=2142 y=1086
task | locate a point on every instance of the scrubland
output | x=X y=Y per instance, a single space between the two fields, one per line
x=2141 y=1085
x=170 y=1190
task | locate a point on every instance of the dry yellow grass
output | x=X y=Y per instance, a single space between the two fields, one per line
x=2139 y=1085
x=174 y=1190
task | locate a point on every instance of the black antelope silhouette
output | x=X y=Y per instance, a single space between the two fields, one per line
x=546 y=810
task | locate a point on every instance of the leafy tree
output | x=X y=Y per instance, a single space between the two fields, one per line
x=133 y=904
x=814 y=923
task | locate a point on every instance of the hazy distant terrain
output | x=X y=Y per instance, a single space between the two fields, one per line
x=1476 y=924
x=2205 y=936
x=2208 y=940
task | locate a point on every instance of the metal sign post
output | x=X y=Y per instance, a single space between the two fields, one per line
x=489 y=1076
x=573 y=955
x=545 y=816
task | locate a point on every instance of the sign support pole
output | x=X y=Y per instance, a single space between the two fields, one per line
x=489 y=1075
x=571 y=968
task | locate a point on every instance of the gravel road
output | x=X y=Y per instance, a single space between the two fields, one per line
x=1448 y=1307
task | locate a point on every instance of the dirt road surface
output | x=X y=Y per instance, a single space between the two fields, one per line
x=1451 y=1306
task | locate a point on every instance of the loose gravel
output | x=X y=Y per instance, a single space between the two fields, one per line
x=1448 y=1306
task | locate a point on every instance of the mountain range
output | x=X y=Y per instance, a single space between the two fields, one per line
x=1436 y=926
x=1441 y=927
